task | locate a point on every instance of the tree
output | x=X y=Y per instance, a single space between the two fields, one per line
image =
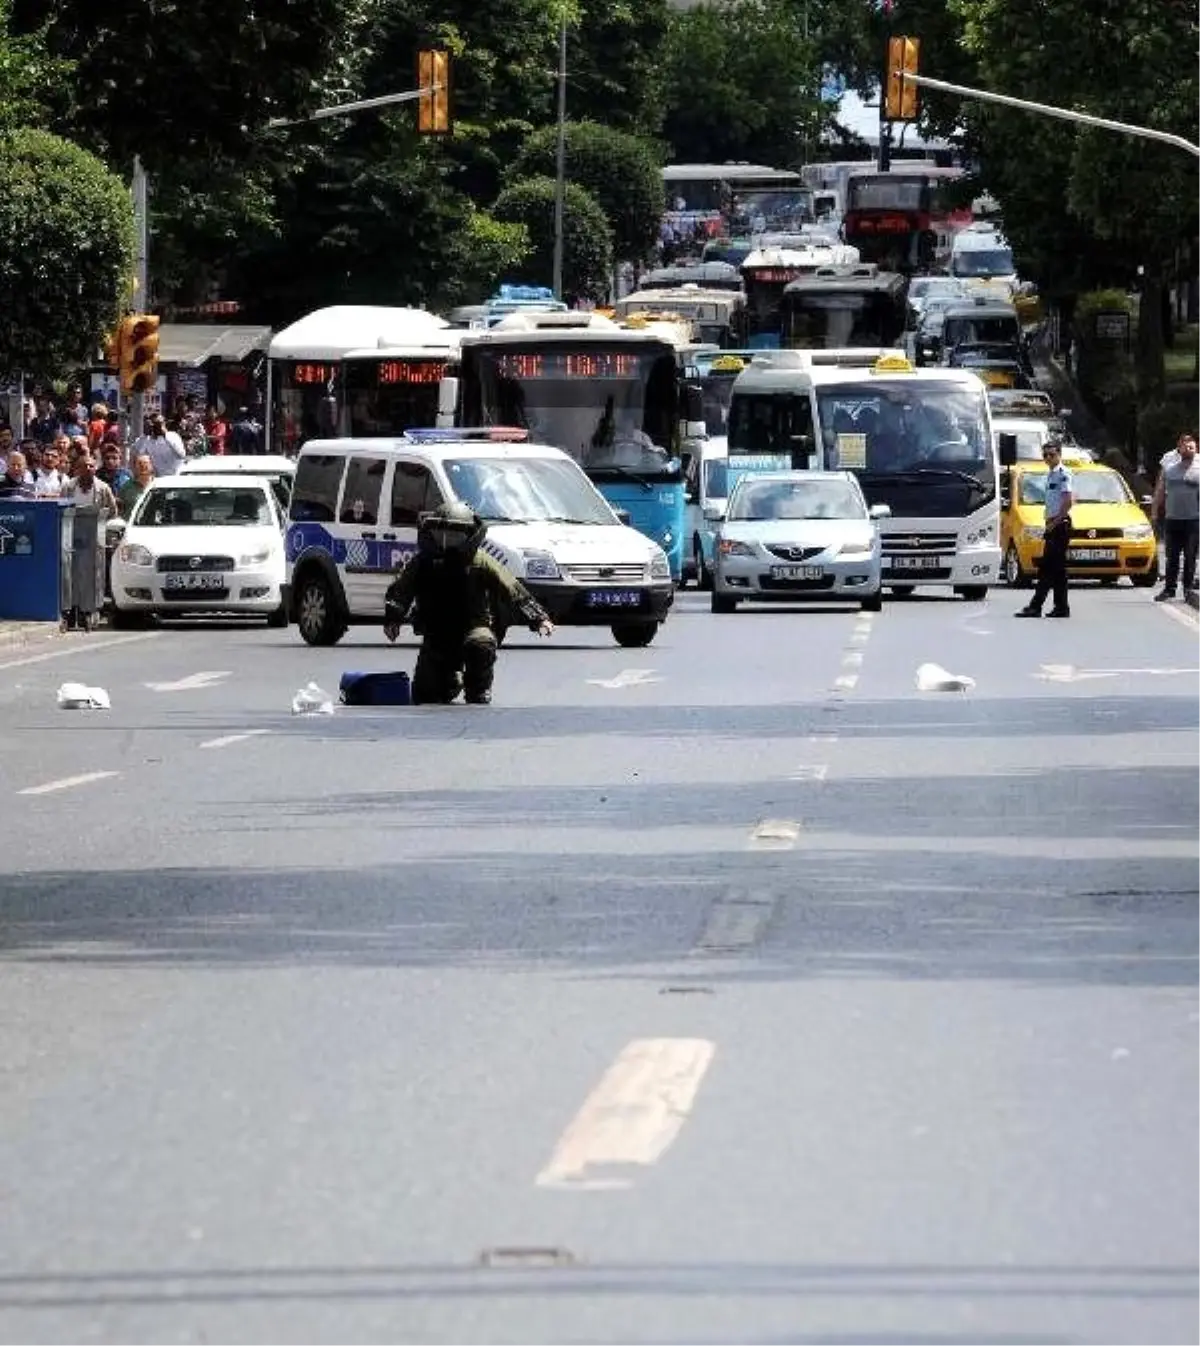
x=744 y=83
x=623 y=172
x=587 y=239
x=66 y=252
x=615 y=65
x=29 y=75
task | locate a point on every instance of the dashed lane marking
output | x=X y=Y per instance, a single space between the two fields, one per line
x=777 y=834
x=227 y=740
x=632 y=1117
x=846 y=683
x=734 y=925
x=816 y=772
x=67 y=783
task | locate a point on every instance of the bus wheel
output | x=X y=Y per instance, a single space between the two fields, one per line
x=703 y=574
x=973 y=593
x=634 y=635
x=901 y=590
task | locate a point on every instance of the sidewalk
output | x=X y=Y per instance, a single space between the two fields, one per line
x=18 y=635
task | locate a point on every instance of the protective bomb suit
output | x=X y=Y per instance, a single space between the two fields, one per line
x=461 y=597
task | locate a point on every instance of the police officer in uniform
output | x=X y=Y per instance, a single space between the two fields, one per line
x=462 y=597
x=1053 y=572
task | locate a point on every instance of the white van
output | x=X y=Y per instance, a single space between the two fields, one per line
x=983 y=261
x=353 y=517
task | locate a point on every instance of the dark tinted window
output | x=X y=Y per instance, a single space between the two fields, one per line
x=413 y=492
x=364 y=482
x=315 y=492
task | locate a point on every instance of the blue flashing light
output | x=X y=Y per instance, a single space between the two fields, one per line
x=522 y=294
x=495 y=434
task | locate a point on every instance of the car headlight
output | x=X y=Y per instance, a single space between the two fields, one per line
x=728 y=546
x=134 y=554
x=854 y=549
x=255 y=558
x=1138 y=532
x=660 y=567
x=540 y=565
x=1032 y=533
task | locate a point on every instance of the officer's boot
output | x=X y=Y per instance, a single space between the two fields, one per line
x=479 y=666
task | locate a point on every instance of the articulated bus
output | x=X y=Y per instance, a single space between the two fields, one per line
x=611 y=397
x=339 y=370
x=902 y=219
x=919 y=440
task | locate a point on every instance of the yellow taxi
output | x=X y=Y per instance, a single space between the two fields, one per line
x=1110 y=533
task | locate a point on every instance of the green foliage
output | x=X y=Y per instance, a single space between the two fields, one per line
x=587 y=239
x=31 y=78
x=622 y=172
x=744 y=84
x=1161 y=423
x=483 y=254
x=66 y=252
x=614 y=65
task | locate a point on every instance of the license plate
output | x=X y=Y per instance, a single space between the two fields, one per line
x=914 y=562
x=797 y=572
x=1092 y=554
x=614 y=598
x=189 y=581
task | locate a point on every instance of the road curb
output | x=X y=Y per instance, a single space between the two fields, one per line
x=16 y=635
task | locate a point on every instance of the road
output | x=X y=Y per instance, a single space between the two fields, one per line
x=728 y=990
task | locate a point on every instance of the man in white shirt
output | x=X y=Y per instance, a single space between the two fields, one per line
x=86 y=491
x=163 y=447
x=48 y=479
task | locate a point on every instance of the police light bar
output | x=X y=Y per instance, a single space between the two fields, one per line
x=495 y=434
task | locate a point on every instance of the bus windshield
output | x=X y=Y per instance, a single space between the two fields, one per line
x=907 y=429
x=833 y=320
x=612 y=407
x=891 y=192
x=387 y=396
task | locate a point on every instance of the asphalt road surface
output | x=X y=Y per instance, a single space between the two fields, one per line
x=728 y=990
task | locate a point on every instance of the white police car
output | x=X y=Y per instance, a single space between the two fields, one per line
x=353 y=517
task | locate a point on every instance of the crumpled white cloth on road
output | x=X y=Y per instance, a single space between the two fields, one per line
x=311 y=700
x=75 y=696
x=934 y=678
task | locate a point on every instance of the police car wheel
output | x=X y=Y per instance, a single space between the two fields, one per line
x=316 y=613
x=634 y=635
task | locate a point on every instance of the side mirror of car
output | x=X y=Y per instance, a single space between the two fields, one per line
x=714 y=513
x=114 y=531
x=1008 y=448
x=880 y=511
x=623 y=516
x=1146 y=502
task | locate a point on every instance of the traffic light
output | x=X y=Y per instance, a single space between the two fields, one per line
x=903 y=54
x=433 y=107
x=138 y=352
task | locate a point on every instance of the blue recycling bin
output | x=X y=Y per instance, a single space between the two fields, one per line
x=31 y=560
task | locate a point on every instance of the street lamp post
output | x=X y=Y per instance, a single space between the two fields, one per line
x=560 y=167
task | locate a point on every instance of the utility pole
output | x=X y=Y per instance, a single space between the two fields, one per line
x=140 y=193
x=560 y=170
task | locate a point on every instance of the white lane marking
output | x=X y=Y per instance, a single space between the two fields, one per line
x=84 y=647
x=194 y=682
x=227 y=739
x=858 y=639
x=67 y=783
x=823 y=736
x=1069 y=673
x=846 y=683
x=629 y=677
x=863 y=621
x=778 y=834
x=817 y=772
x=633 y=1115
x=1176 y=614
x=734 y=924
x=852 y=659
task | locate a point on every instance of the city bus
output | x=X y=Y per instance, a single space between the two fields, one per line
x=735 y=199
x=903 y=219
x=717 y=316
x=613 y=398
x=840 y=306
x=772 y=266
x=307 y=392
x=919 y=440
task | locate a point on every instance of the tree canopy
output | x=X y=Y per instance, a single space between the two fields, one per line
x=587 y=239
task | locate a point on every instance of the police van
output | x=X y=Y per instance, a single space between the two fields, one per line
x=355 y=505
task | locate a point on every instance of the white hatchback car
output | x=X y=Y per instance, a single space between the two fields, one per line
x=198 y=544
x=798 y=536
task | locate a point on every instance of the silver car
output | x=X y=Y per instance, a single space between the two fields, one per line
x=798 y=536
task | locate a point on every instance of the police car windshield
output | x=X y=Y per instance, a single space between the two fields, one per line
x=527 y=490
x=202 y=506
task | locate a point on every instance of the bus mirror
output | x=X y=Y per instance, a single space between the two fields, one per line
x=623 y=516
x=714 y=513
x=1008 y=449
x=693 y=402
x=447 y=402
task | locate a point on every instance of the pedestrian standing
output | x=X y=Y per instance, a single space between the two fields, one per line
x=164 y=447
x=1177 y=508
x=1052 y=574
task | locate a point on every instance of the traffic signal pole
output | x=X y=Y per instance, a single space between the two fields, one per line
x=137 y=400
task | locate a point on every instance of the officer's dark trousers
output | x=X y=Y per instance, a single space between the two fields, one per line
x=447 y=665
x=1181 y=545
x=1052 y=574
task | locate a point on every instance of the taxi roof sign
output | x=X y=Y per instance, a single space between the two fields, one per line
x=893 y=364
x=727 y=364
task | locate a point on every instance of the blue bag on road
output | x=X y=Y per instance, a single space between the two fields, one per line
x=375 y=689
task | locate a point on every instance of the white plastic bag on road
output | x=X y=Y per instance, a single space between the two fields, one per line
x=934 y=678
x=311 y=700
x=75 y=696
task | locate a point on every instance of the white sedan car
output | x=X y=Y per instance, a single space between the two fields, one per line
x=798 y=536
x=199 y=544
